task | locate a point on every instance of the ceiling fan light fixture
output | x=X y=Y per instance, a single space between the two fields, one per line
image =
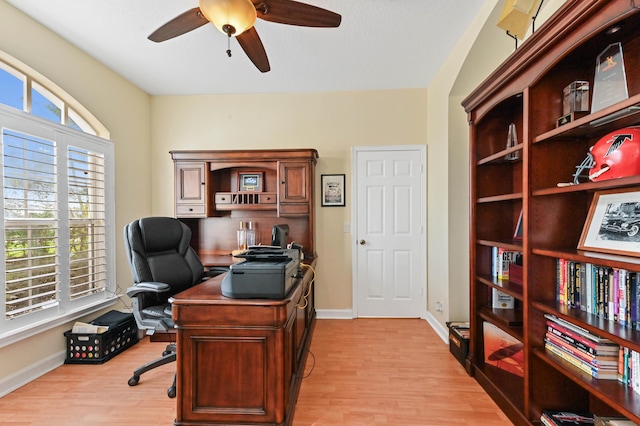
x=239 y=14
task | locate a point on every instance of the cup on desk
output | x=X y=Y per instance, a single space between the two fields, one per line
x=242 y=239
x=251 y=237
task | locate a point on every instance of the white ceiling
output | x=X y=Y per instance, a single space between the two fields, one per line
x=380 y=44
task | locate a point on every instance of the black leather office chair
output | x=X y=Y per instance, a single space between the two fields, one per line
x=162 y=264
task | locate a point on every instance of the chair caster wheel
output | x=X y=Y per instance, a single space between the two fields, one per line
x=134 y=380
x=171 y=392
x=165 y=353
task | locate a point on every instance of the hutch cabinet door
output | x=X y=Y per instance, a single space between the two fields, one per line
x=294 y=182
x=191 y=189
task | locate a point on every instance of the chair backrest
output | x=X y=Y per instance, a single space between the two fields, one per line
x=158 y=250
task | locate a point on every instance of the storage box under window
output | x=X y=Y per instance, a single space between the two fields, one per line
x=96 y=348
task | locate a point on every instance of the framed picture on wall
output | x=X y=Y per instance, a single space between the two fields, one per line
x=333 y=190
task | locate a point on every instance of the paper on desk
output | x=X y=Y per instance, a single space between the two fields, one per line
x=86 y=328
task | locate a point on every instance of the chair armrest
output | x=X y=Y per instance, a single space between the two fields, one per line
x=148 y=287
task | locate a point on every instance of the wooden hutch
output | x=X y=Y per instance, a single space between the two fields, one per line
x=527 y=90
x=210 y=199
x=241 y=361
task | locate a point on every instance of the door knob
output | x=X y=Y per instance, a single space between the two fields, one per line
x=362 y=242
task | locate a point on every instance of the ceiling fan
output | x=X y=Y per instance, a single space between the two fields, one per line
x=236 y=18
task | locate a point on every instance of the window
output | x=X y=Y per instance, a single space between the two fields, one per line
x=24 y=89
x=56 y=197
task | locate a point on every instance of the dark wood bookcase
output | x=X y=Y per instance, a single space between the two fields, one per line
x=527 y=90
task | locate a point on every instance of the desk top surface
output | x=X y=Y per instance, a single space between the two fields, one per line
x=210 y=293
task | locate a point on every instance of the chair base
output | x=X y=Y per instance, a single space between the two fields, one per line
x=169 y=355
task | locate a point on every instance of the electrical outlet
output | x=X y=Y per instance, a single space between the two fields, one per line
x=438 y=306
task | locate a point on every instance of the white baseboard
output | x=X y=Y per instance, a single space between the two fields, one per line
x=32 y=372
x=334 y=313
x=440 y=330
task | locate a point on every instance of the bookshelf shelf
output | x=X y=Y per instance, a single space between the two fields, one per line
x=509 y=320
x=506 y=286
x=500 y=156
x=622 y=335
x=503 y=386
x=613 y=392
x=527 y=91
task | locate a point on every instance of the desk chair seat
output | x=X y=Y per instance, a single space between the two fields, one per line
x=162 y=264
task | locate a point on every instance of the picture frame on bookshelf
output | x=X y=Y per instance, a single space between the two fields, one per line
x=518 y=232
x=613 y=223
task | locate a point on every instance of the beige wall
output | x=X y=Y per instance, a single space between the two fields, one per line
x=124 y=110
x=332 y=123
x=481 y=50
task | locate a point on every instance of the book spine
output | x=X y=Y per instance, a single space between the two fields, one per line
x=588 y=279
x=562 y=281
x=633 y=299
x=495 y=259
x=616 y=295
x=622 y=297
x=610 y=294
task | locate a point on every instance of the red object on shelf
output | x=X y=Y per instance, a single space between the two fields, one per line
x=515 y=273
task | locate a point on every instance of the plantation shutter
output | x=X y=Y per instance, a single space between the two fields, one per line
x=30 y=223
x=87 y=226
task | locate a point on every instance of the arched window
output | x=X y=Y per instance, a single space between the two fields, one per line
x=56 y=196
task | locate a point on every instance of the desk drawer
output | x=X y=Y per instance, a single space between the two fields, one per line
x=268 y=198
x=223 y=198
x=190 y=210
x=294 y=209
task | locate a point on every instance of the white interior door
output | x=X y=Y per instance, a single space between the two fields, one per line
x=389 y=223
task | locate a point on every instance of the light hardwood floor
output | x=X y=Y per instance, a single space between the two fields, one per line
x=361 y=372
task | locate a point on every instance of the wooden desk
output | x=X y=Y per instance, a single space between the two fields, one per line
x=241 y=361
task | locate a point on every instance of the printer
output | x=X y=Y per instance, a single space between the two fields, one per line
x=265 y=273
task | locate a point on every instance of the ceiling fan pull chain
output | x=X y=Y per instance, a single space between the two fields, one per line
x=229 y=30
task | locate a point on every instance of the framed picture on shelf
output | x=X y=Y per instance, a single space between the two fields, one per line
x=251 y=181
x=333 y=190
x=613 y=223
x=517 y=234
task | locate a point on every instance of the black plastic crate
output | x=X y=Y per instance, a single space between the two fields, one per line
x=459 y=341
x=98 y=348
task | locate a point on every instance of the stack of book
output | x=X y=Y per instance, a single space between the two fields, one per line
x=569 y=418
x=592 y=354
x=565 y=418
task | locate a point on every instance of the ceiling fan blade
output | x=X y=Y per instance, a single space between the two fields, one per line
x=252 y=46
x=295 y=13
x=183 y=23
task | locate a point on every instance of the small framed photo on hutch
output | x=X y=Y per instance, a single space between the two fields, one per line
x=250 y=181
x=333 y=190
x=613 y=223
